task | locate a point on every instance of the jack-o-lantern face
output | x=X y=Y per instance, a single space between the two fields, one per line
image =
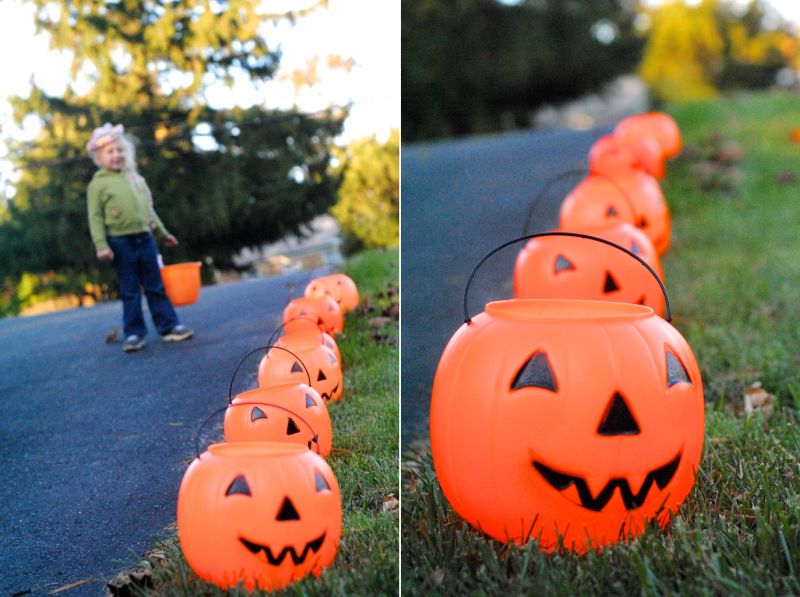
x=324 y=369
x=264 y=514
x=576 y=268
x=303 y=329
x=575 y=418
x=290 y=412
x=323 y=310
x=656 y=125
x=610 y=155
x=339 y=287
x=631 y=196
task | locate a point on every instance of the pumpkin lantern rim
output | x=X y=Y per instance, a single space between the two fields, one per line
x=565 y=309
x=260 y=449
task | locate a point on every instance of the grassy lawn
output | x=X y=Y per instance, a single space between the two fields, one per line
x=364 y=457
x=733 y=273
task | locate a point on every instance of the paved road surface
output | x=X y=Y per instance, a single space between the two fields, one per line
x=94 y=442
x=460 y=199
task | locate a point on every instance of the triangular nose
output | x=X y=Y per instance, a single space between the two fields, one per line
x=618 y=419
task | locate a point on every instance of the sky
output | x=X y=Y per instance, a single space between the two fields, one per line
x=367 y=31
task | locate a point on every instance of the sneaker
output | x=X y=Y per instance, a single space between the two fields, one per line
x=177 y=334
x=133 y=343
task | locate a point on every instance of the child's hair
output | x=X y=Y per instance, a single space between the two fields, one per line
x=108 y=133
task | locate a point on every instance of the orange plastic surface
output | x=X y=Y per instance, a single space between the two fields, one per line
x=579 y=419
x=182 y=282
x=323 y=308
x=265 y=514
x=324 y=369
x=303 y=329
x=609 y=154
x=292 y=412
x=339 y=287
x=575 y=268
x=662 y=127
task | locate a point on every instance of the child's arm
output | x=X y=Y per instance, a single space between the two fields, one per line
x=97 y=225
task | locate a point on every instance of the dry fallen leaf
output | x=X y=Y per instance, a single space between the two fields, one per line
x=71 y=585
x=390 y=503
x=757 y=398
x=437 y=577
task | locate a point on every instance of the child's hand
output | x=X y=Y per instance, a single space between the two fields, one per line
x=105 y=255
x=170 y=241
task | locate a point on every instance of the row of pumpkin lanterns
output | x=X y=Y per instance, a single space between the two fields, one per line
x=573 y=414
x=263 y=508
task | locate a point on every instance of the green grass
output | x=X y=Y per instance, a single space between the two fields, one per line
x=364 y=458
x=733 y=273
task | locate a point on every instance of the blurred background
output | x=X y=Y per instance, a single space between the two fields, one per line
x=268 y=132
x=480 y=66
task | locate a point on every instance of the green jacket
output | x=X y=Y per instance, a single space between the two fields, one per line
x=120 y=203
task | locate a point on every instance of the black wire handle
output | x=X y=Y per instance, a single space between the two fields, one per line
x=268 y=346
x=468 y=319
x=224 y=408
x=569 y=174
x=283 y=326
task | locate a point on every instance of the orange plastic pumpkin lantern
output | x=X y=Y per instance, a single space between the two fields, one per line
x=307 y=330
x=658 y=125
x=182 y=282
x=324 y=369
x=567 y=267
x=263 y=514
x=631 y=196
x=339 y=287
x=322 y=308
x=566 y=420
x=609 y=155
x=291 y=412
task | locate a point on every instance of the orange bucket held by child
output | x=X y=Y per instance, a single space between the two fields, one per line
x=182 y=282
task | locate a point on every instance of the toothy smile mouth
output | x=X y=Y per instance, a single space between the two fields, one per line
x=561 y=481
x=327 y=396
x=312 y=546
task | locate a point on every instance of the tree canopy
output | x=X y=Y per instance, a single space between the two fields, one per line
x=222 y=179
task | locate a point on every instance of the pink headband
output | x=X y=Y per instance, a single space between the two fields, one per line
x=102 y=136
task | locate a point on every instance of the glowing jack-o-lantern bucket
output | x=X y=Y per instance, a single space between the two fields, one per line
x=339 y=287
x=571 y=268
x=182 y=282
x=290 y=412
x=569 y=422
x=321 y=308
x=263 y=514
x=631 y=196
x=324 y=369
x=658 y=125
x=304 y=329
x=609 y=155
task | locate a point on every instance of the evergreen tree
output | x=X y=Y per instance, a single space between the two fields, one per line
x=148 y=65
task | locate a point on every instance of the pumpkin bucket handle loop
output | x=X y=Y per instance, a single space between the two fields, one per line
x=267 y=347
x=283 y=326
x=570 y=174
x=468 y=319
x=224 y=408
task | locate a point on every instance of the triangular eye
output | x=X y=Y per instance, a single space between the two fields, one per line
x=238 y=486
x=291 y=427
x=331 y=309
x=610 y=283
x=257 y=413
x=287 y=511
x=536 y=373
x=302 y=312
x=297 y=368
x=310 y=401
x=611 y=211
x=563 y=264
x=676 y=372
x=332 y=358
x=321 y=376
x=322 y=484
x=635 y=249
x=642 y=222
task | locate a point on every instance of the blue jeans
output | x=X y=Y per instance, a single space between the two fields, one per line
x=136 y=262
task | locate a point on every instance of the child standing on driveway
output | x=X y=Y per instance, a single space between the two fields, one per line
x=122 y=222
